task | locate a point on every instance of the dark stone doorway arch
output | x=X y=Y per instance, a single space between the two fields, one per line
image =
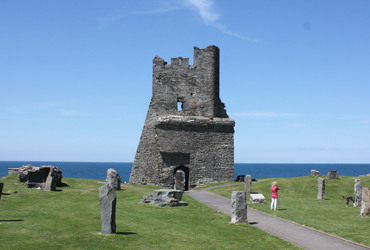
x=186 y=172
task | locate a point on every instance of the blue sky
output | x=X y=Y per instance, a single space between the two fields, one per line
x=76 y=76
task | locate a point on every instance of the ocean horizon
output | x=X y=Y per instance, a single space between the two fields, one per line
x=98 y=170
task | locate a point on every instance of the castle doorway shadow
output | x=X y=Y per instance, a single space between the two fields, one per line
x=186 y=175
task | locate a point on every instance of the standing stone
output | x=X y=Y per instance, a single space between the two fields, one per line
x=51 y=182
x=365 y=207
x=179 y=182
x=114 y=179
x=332 y=175
x=108 y=209
x=238 y=207
x=248 y=184
x=321 y=188
x=358 y=192
x=1 y=188
x=315 y=173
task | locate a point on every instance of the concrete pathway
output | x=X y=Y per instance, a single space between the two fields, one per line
x=301 y=236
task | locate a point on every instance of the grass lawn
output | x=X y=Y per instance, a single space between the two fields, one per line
x=297 y=202
x=70 y=219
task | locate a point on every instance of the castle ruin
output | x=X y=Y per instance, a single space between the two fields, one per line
x=186 y=127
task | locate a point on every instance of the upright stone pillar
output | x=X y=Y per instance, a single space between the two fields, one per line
x=365 y=207
x=238 y=207
x=179 y=182
x=114 y=179
x=108 y=208
x=321 y=188
x=358 y=192
x=1 y=188
x=248 y=184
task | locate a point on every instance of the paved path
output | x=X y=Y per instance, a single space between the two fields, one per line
x=299 y=235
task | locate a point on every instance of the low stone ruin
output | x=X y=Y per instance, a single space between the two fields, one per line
x=315 y=173
x=35 y=177
x=107 y=198
x=332 y=175
x=238 y=207
x=114 y=179
x=165 y=198
x=257 y=198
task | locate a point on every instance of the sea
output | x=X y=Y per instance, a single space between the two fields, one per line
x=98 y=170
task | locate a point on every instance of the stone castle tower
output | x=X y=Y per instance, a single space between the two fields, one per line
x=186 y=127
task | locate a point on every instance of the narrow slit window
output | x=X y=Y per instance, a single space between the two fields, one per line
x=179 y=106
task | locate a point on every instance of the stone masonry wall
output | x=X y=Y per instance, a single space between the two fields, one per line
x=186 y=125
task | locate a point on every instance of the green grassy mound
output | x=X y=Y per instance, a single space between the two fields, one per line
x=70 y=219
x=297 y=202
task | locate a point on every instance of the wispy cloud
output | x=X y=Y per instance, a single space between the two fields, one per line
x=211 y=16
x=264 y=114
x=206 y=10
x=71 y=112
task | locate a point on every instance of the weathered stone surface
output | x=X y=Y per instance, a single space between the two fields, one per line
x=315 y=173
x=37 y=175
x=51 y=183
x=257 y=198
x=248 y=184
x=358 y=192
x=108 y=208
x=321 y=188
x=365 y=205
x=165 y=198
x=179 y=181
x=1 y=188
x=332 y=175
x=114 y=179
x=238 y=207
x=186 y=126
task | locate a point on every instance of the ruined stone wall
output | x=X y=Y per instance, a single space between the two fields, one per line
x=186 y=124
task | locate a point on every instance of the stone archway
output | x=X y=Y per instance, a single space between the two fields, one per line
x=186 y=172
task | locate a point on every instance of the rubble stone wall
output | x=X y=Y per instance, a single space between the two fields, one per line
x=186 y=124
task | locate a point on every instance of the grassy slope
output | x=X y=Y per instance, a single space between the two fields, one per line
x=297 y=202
x=70 y=219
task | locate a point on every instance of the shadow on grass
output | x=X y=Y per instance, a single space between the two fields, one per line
x=125 y=233
x=253 y=223
x=63 y=184
x=10 y=220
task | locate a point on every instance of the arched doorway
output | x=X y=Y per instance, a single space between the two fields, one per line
x=186 y=173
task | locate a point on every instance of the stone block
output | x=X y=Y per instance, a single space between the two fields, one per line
x=365 y=206
x=321 y=188
x=315 y=173
x=332 y=175
x=238 y=207
x=179 y=181
x=108 y=203
x=114 y=179
x=248 y=184
x=13 y=171
x=257 y=198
